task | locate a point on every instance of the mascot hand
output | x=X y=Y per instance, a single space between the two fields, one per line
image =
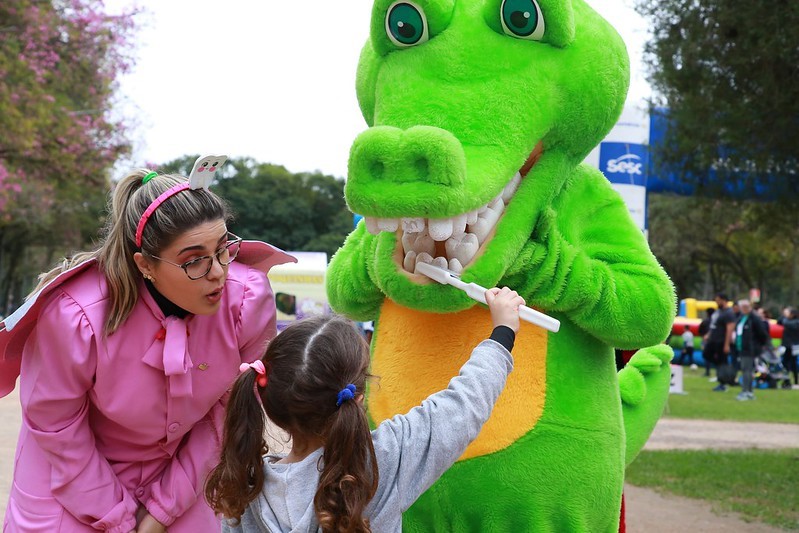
x=644 y=388
x=632 y=383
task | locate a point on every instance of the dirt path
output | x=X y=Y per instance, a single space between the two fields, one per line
x=652 y=512
x=683 y=434
x=646 y=509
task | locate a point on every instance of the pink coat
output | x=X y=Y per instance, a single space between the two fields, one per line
x=135 y=418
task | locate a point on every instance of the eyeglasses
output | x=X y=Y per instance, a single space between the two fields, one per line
x=198 y=268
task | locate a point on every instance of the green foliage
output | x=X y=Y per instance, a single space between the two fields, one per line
x=304 y=211
x=761 y=485
x=727 y=71
x=701 y=402
x=710 y=245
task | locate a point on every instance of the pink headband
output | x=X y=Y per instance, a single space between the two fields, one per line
x=153 y=206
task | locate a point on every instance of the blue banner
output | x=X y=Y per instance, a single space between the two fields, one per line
x=624 y=163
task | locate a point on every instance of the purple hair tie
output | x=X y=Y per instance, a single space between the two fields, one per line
x=347 y=393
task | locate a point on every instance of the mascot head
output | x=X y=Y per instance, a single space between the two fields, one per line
x=478 y=110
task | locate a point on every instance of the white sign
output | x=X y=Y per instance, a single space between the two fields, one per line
x=621 y=158
x=676 y=380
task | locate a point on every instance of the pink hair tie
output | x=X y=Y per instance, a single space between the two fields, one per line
x=153 y=206
x=259 y=368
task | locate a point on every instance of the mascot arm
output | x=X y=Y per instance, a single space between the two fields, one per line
x=350 y=289
x=587 y=259
x=644 y=389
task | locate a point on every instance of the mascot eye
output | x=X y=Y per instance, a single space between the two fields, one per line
x=406 y=24
x=523 y=19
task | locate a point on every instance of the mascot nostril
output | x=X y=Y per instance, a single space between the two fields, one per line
x=401 y=158
x=473 y=162
x=422 y=167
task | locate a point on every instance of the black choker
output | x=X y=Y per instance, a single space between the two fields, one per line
x=166 y=305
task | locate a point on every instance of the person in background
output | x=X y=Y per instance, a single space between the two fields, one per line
x=687 y=346
x=750 y=337
x=719 y=338
x=790 y=341
x=704 y=327
x=765 y=316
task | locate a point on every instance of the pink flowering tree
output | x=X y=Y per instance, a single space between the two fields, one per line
x=59 y=135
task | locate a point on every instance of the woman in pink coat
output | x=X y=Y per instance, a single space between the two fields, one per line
x=125 y=357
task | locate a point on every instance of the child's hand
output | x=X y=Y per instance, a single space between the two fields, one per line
x=504 y=306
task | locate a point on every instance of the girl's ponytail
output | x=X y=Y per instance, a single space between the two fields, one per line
x=239 y=476
x=349 y=477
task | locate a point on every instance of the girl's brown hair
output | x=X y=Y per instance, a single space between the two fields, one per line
x=128 y=201
x=307 y=365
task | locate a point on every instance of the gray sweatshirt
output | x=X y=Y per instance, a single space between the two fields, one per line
x=412 y=451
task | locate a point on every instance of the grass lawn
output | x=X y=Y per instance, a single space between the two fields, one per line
x=762 y=486
x=771 y=405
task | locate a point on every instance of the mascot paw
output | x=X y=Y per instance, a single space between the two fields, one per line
x=644 y=389
x=633 y=377
x=632 y=386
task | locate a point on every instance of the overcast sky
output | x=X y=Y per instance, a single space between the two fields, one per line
x=268 y=79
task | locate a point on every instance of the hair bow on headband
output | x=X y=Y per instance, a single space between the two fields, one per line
x=259 y=368
x=347 y=393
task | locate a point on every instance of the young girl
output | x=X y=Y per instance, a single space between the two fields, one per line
x=126 y=354
x=339 y=476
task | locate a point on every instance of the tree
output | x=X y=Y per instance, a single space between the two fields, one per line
x=727 y=72
x=59 y=61
x=709 y=245
x=304 y=211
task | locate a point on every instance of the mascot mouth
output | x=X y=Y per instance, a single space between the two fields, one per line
x=452 y=243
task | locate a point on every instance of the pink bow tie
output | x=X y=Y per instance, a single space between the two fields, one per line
x=174 y=358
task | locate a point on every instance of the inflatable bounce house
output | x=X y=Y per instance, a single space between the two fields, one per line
x=480 y=113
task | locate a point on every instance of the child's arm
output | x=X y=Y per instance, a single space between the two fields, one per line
x=414 y=449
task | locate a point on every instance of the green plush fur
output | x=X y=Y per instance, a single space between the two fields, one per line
x=452 y=120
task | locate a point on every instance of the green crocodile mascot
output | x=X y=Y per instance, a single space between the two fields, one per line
x=481 y=113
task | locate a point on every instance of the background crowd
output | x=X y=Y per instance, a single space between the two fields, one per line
x=736 y=339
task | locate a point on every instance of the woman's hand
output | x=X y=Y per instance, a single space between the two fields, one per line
x=149 y=524
x=141 y=512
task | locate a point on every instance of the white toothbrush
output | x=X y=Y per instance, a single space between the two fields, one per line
x=477 y=293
